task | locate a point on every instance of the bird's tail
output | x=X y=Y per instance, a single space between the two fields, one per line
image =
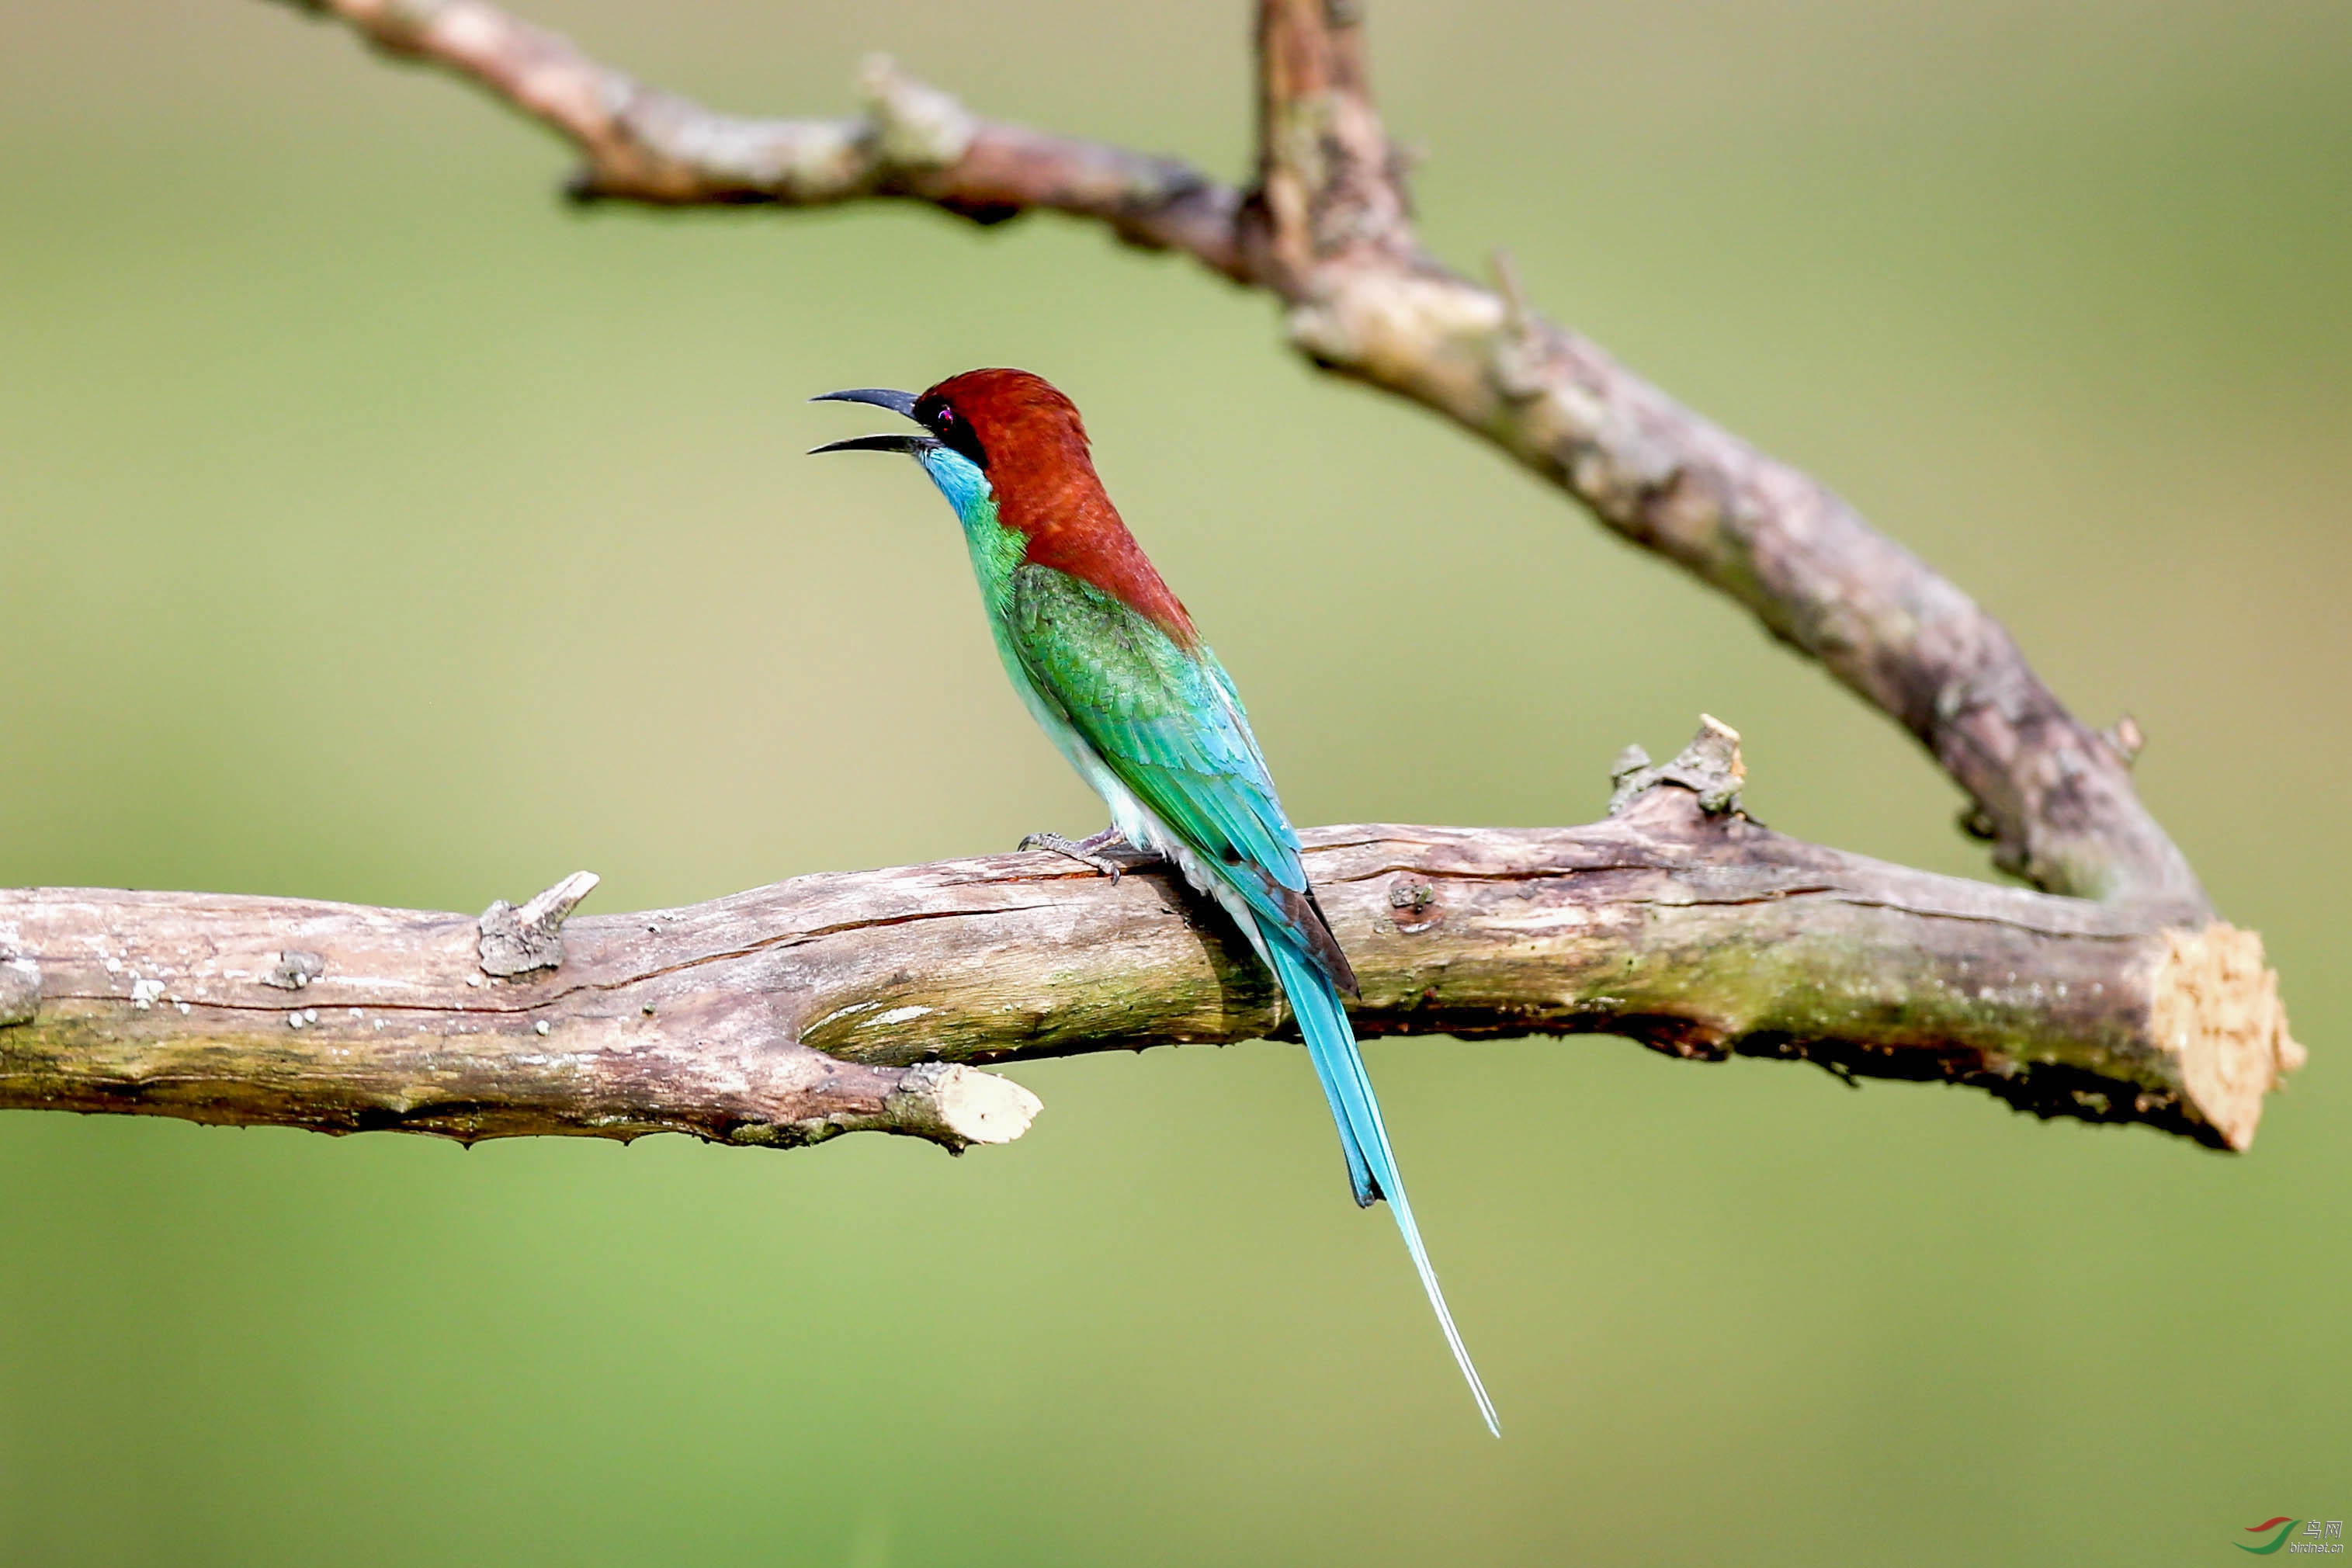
x=1371 y=1165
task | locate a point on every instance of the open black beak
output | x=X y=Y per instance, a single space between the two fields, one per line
x=900 y=403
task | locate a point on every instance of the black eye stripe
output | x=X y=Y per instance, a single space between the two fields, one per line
x=954 y=430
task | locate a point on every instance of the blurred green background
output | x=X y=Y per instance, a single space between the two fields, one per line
x=373 y=528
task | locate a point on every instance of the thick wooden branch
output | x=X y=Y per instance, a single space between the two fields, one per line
x=1328 y=229
x=863 y=1001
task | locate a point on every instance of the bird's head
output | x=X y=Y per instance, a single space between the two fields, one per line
x=1008 y=451
x=985 y=434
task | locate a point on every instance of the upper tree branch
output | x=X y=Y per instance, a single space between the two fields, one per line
x=639 y=143
x=1328 y=229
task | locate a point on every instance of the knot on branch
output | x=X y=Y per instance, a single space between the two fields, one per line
x=516 y=940
x=916 y=125
x=294 y=970
x=20 y=988
x=1709 y=767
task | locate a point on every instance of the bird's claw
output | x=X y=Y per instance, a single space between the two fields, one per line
x=1086 y=851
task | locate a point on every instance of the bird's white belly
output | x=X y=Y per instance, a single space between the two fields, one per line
x=1144 y=829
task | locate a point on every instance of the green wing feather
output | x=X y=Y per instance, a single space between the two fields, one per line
x=1168 y=724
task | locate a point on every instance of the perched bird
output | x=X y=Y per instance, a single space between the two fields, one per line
x=1113 y=671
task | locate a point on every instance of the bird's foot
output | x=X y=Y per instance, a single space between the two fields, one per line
x=1087 y=851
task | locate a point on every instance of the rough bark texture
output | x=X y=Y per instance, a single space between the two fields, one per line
x=826 y=1004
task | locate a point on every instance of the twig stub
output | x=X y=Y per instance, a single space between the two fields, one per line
x=1709 y=767
x=516 y=940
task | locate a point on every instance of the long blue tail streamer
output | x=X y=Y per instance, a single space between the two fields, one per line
x=1371 y=1165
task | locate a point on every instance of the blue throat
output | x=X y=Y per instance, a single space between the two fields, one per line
x=963 y=481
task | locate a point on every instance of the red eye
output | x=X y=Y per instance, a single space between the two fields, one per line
x=947 y=416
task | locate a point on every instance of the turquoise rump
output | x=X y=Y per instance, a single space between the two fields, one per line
x=1112 y=669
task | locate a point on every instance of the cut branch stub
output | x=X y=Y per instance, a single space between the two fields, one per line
x=2216 y=1005
x=957 y=1107
x=516 y=940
